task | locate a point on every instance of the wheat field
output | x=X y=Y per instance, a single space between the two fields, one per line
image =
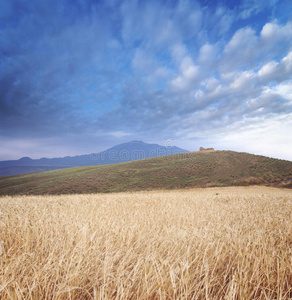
x=217 y=243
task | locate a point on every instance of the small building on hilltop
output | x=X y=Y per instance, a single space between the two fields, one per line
x=206 y=149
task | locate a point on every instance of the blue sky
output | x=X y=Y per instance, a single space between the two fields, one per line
x=81 y=76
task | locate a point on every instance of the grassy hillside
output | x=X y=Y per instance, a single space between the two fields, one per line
x=194 y=169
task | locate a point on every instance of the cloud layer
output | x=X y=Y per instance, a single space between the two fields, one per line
x=76 y=75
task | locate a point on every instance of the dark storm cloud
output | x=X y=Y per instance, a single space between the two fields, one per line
x=50 y=56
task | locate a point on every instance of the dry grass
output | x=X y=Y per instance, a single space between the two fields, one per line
x=227 y=243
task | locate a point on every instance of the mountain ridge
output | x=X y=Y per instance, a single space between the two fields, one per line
x=124 y=152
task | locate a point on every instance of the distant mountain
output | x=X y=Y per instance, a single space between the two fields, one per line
x=187 y=170
x=18 y=170
x=125 y=152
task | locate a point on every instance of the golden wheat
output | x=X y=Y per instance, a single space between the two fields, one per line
x=224 y=243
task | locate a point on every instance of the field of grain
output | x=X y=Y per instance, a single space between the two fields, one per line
x=217 y=243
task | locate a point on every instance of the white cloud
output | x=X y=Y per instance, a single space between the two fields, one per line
x=284 y=90
x=243 y=82
x=253 y=7
x=240 y=51
x=268 y=69
x=211 y=85
x=189 y=74
x=274 y=32
x=189 y=70
x=224 y=19
x=275 y=39
x=277 y=71
x=207 y=54
x=247 y=49
x=258 y=135
x=243 y=37
x=119 y=134
x=269 y=137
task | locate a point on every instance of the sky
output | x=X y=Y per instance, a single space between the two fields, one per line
x=80 y=76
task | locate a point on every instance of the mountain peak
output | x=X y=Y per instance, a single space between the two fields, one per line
x=129 y=151
x=137 y=142
x=26 y=158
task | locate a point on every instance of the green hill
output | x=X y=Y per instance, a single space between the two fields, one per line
x=186 y=170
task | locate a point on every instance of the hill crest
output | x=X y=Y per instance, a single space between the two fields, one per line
x=184 y=170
